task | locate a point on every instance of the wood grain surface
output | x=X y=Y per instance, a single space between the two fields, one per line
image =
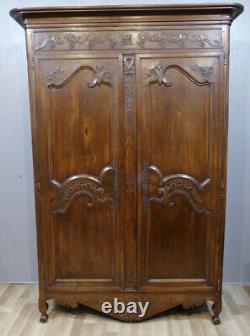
x=129 y=128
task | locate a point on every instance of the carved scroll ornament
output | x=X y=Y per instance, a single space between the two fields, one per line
x=158 y=75
x=56 y=78
x=82 y=185
x=174 y=185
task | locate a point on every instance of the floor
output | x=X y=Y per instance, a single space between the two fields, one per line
x=19 y=317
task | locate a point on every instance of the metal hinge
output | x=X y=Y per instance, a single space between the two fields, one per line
x=226 y=57
x=116 y=187
x=130 y=186
x=145 y=185
x=43 y=274
x=33 y=63
x=222 y=188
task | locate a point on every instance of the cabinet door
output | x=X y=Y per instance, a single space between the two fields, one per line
x=180 y=155
x=80 y=169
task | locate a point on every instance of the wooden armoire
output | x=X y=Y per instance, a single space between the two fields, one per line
x=129 y=113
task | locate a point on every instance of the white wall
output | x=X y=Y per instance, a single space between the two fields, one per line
x=17 y=216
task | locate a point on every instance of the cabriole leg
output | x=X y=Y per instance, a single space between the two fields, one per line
x=43 y=308
x=216 y=308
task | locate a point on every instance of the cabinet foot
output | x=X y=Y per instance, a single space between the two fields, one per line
x=44 y=318
x=43 y=307
x=216 y=308
x=216 y=319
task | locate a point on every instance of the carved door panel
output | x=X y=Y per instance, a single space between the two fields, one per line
x=178 y=136
x=80 y=166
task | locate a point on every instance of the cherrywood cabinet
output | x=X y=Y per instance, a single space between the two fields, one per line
x=129 y=128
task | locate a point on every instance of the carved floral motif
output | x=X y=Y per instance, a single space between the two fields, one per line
x=157 y=74
x=53 y=75
x=102 y=76
x=179 y=184
x=183 y=39
x=117 y=40
x=129 y=93
x=90 y=41
x=77 y=185
x=205 y=71
x=129 y=64
x=126 y=39
x=50 y=42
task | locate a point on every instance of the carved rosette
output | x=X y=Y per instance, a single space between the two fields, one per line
x=82 y=185
x=174 y=185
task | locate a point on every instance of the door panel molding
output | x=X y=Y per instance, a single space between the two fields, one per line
x=169 y=186
x=57 y=78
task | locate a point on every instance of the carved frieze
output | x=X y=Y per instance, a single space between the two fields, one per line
x=161 y=39
x=165 y=40
x=50 y=42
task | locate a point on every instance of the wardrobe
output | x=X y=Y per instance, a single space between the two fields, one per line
x=129 y=109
